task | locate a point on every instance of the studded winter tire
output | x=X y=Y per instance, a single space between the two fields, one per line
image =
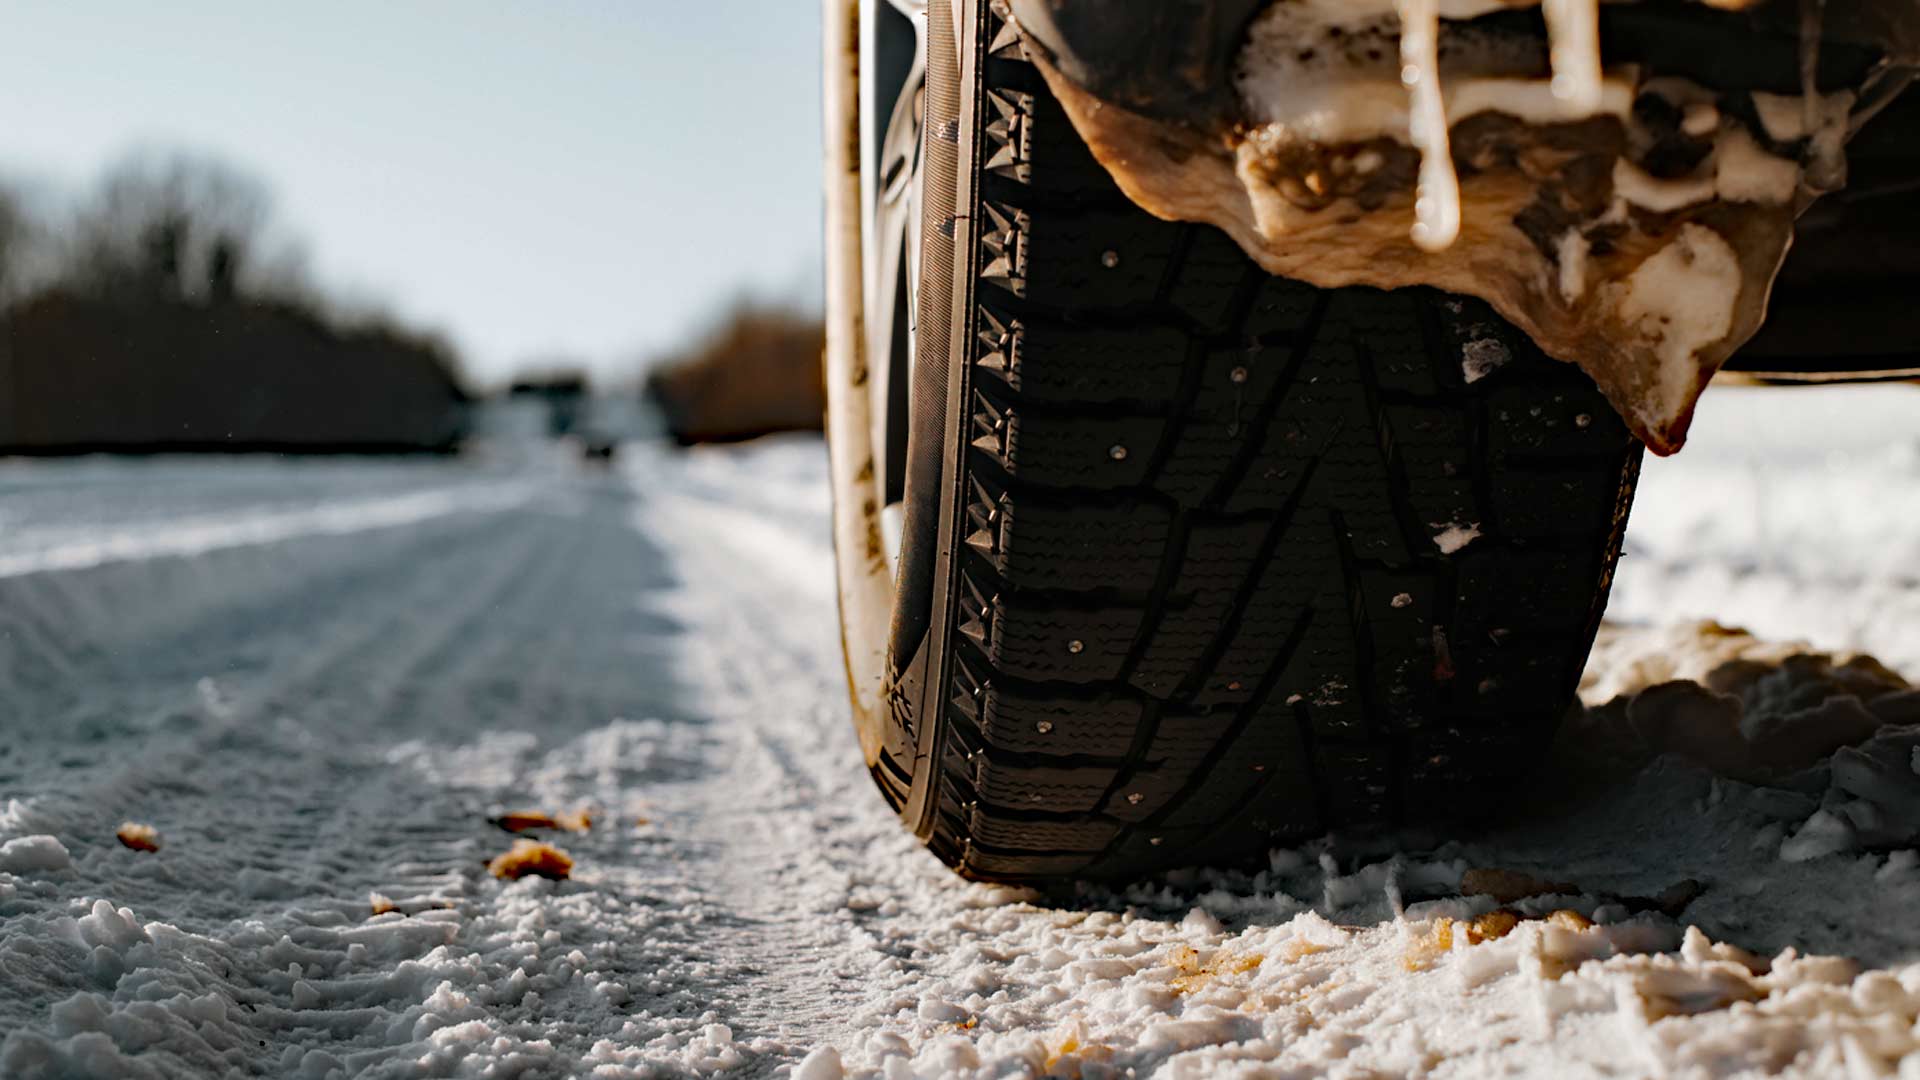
x=1148 y=558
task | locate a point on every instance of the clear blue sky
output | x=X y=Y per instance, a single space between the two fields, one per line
x=590 y=178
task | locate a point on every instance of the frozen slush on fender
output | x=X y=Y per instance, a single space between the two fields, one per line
x=1628 y=212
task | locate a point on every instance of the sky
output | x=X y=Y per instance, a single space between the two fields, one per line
x=564 y=178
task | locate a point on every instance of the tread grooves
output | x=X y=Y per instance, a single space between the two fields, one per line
x=1397 y=494
x=1310 y=763
x=1245 y=716
x=1392 y=737
x=1168 y=572
x=1243 y=459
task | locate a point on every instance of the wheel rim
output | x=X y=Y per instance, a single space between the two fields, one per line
x=862 y=418
x=893 y=48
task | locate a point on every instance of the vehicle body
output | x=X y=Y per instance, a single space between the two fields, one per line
x=1175 y=65
x=1163 y=532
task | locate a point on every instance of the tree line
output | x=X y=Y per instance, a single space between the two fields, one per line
x=753 y=370
x=159 y=313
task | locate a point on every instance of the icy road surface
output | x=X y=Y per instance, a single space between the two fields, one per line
x=319 y=680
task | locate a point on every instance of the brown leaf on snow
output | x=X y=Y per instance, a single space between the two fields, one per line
x=1068 y=1050
x=1568 y=919
x=1429 y=947
x=1195 y=975
x=520 y=821
x=139 y=837
x=1492 y=926
x=1442 y=934
x=531 y=857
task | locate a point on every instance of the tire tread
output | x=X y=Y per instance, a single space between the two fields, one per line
x=1201 y=603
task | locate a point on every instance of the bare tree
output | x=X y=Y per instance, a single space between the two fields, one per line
x=170 y=224
x=17 y=236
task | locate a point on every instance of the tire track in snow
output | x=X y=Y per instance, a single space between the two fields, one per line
x=364 y=671
x=834 y=898
x=1211 y=970
x=85 y=549
x=258 y=732
x=544 y=656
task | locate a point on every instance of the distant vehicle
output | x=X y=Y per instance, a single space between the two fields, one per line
x=1204 y=475
x=598 y=449
x=565 y=394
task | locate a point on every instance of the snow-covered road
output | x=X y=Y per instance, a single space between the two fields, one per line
x=320 y=680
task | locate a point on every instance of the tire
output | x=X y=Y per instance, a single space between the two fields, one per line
x=1202 y=561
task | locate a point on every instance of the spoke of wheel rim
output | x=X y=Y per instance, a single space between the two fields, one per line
x=900 y=147
x=895 y=241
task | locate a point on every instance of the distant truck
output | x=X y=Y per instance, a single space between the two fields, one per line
x=564 y=394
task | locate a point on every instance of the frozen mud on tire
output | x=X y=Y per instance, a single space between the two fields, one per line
x=1234 y=559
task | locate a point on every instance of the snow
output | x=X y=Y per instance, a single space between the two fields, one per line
x=1681 y=301
x=1452 y=535
x=1481 y=357
x=323 y=712
x=28 y=854
x=1792 y=514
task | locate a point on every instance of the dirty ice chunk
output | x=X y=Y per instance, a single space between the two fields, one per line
x=1453 y=536
x=1481 y=358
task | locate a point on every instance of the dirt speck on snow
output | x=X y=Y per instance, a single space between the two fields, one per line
x=138 y=837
